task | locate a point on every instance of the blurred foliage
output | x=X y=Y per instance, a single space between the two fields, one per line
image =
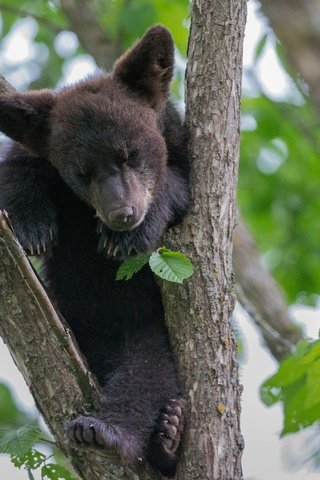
x=296 y=385
x=10 y=414
x=279 y=189
x=116 y=17
x=19 y=432
x=296 y=388
x=44 y=67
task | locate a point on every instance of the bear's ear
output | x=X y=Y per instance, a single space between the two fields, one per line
x=25 y=117
x=147 y=67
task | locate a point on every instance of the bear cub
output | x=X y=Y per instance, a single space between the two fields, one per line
x=97 y=172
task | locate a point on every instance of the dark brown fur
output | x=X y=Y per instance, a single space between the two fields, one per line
x=100 y=171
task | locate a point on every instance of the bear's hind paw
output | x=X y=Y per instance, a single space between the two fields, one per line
x=96 y=433
x=166 y=439
x=88 y=431
x=171 y=424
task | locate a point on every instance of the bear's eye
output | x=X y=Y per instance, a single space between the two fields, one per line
x=133 y=157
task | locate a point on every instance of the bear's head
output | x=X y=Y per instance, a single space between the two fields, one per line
x=104 y=133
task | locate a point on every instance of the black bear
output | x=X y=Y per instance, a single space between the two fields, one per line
x=98 y=171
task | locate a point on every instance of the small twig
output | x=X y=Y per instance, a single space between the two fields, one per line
x=50 y=456
x=279 y=345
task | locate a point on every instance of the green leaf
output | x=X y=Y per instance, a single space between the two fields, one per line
x=171 y=266
x=20 y=441
x=9 y=412
x=132 y=265
x=31 y=460
x=296 y=414
x=269 y=394
x=313 y=385
x=52 y=471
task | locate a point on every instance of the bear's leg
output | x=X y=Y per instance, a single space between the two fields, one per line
x=143 y=414
x=27 y=185
x=163 y=450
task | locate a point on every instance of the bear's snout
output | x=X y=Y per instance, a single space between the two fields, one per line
x=122 y=219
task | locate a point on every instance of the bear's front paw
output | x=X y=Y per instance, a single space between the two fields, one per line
x=121 y=245
x=165 y=441
x=35 y=236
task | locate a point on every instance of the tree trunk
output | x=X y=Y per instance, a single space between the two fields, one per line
x=198 y=313
x=200 y=328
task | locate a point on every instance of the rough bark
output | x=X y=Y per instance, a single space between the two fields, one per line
x=296 y=24
x=200 y=328
x=198 y=313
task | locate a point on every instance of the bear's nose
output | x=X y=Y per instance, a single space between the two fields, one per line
x=121 y=218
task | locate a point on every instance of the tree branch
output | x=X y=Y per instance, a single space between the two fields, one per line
x=296 y=24
x=261 y=296
x=84 y=22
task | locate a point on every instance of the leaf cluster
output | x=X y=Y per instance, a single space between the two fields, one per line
x=296 y=385
x=166 y=264
x=18 y=436
x=19 y=444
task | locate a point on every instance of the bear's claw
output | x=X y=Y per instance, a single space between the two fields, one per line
x=119 y=245
x=38 y=242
